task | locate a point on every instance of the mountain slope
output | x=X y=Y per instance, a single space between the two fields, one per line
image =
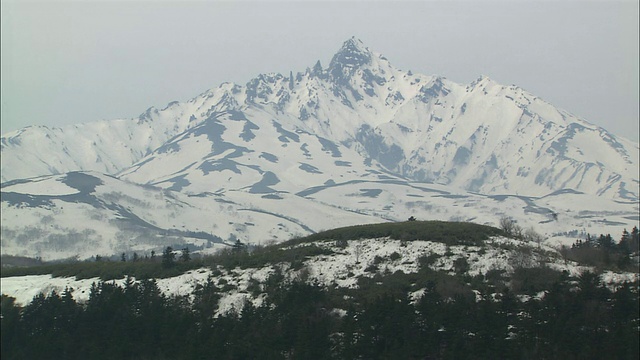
x=86 y=214
x=482 y=137
x=83 y=214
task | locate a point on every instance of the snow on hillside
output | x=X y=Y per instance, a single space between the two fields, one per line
x=101 y=215
x=349 y=261
x=87 y=214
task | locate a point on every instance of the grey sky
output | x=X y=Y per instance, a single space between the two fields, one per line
x=71 y=62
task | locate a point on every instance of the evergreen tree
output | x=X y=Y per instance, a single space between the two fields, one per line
x=589 y=241
x=238 y=246
x=635 y=240
x=10 y=327
x=185 y=255
x=605 y=242
x=168 y=257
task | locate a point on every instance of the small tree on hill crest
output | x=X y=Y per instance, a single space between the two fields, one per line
x=185 y=255
x=168 y=257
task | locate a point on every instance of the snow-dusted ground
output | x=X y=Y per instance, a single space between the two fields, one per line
x=349 y=261
x=24 y=288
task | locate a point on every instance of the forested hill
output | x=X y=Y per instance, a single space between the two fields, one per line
x=384 y=291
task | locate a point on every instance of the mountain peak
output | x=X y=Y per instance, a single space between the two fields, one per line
x=352 y=54
x=354 y=43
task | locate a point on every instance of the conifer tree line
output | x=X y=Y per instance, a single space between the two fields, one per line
x=534 y=313
x=576 y=319
x=604 y=251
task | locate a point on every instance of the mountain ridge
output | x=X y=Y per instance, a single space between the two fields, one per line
x=377 y=128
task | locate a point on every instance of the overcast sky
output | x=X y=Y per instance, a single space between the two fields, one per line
x=77 y=61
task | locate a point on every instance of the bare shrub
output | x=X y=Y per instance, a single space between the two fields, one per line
x=531 y=235
x=510 y=227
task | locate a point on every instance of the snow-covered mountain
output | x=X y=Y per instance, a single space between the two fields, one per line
x=483 y=137
x=357 y=136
